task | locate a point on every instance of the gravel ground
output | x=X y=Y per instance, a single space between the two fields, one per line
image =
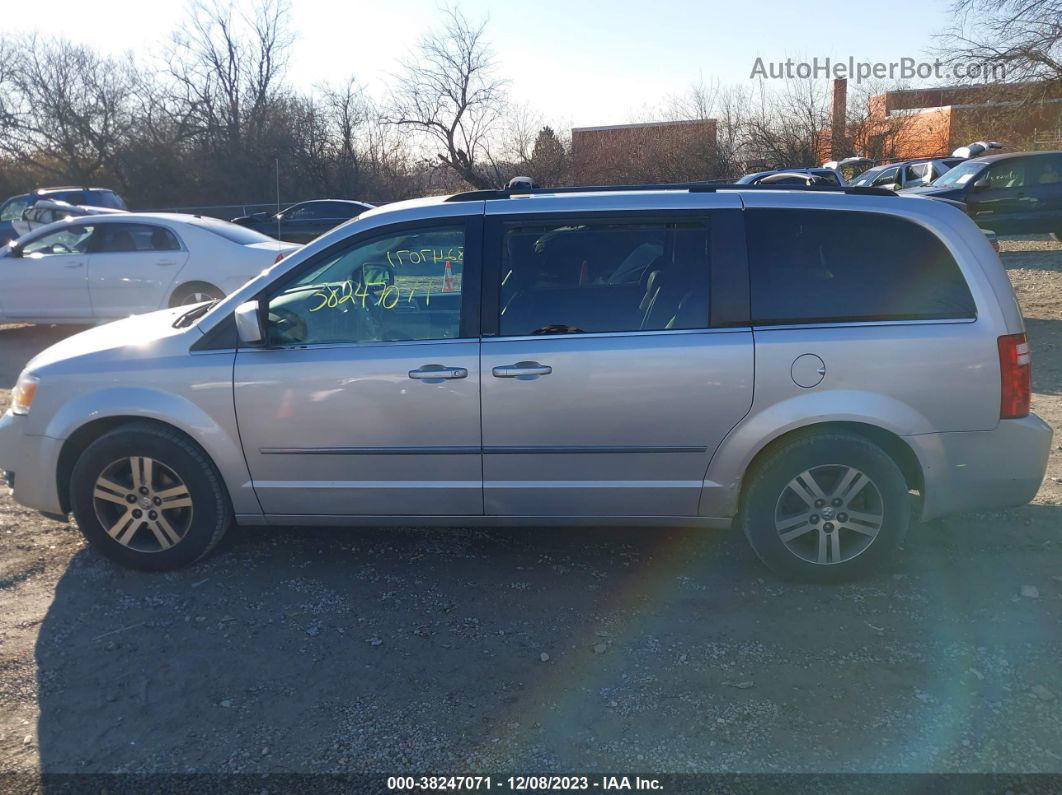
x=474 y=651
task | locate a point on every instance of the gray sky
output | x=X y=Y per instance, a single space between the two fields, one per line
x=586 y=62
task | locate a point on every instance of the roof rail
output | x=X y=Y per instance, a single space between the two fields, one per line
x=691 y=187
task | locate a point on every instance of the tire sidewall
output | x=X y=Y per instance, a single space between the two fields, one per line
x=185 y=292
x=758 y=511
x=210 y=507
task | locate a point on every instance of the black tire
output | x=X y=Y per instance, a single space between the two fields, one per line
x=177 y=462
x=822 y=547
x=195 y=293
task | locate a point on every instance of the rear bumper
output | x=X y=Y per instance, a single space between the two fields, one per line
x=33 y=461
x=979 y=470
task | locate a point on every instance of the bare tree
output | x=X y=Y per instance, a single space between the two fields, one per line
x=698 y=101
x=786 y=127
x=728 y=107
x=229 y=63
x=449 y=94
x=225 y=70
x=1020 y=40
x=65 y=108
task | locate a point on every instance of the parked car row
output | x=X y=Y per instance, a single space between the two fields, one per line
x=1011 y=193
x=91 y=268
x=77 y=255
x=13 y=211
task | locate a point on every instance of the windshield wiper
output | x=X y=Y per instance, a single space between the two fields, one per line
x=194 y=314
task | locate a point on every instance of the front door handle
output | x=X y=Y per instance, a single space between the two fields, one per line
x=164 y=262
x=433 y=372
x=74 y=265
x=522 y=370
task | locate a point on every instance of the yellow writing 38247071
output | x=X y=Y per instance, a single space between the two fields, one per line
x=335 y=295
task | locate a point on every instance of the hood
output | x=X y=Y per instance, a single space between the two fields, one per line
x=929 y=190
x=137 y=332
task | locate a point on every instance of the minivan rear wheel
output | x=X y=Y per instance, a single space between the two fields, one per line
x=147 y=497
x=826 y=507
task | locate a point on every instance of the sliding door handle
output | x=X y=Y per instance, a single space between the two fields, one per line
x=522 y=370
x=433 y=372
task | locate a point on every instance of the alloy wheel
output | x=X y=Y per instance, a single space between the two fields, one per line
x=142 y=504
x=829 y=514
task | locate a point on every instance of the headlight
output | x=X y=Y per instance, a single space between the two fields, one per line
x=23 y=393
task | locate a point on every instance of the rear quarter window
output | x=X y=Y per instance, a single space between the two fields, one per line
x=813 y=266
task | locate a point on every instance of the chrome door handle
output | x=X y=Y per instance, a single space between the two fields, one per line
x=431 y=372
x=522 y=370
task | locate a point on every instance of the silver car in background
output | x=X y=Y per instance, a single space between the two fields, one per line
x=693 y=355
x=906 y=174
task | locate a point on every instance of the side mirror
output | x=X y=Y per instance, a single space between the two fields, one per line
x=14 y=251
x=249 y=324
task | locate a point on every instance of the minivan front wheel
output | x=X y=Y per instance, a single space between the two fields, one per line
x=149 y=498
x=826 y=507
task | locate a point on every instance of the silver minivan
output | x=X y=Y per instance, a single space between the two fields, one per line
x=816 y=366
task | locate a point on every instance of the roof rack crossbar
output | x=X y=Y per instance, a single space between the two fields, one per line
x=691 y=187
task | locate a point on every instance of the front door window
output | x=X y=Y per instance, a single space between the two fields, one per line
x=400 y=286
x=71 y=240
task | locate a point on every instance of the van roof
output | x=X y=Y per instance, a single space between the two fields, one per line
x=688 y=187
x=1011 y=155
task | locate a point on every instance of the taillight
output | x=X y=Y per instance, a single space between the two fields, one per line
x=1015 y=370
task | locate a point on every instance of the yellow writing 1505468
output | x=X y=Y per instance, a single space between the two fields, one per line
x=336 y=295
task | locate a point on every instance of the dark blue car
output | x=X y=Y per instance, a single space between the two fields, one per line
x=13 y=209
x=1013 y=193
x=302 y=222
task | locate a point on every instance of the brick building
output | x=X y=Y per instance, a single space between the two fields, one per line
x=926 y=122
x=653 y=152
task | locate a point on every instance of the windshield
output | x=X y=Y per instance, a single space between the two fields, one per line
x=105 y=198
x=959 y=175
x=234 y=232
x=867 y=176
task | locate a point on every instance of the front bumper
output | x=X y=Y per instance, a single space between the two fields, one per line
x=33 y=461
x=982 y=470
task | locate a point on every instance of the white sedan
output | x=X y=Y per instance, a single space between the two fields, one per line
x=103 y=267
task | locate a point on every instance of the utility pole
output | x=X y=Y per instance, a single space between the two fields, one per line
x=276 y=162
